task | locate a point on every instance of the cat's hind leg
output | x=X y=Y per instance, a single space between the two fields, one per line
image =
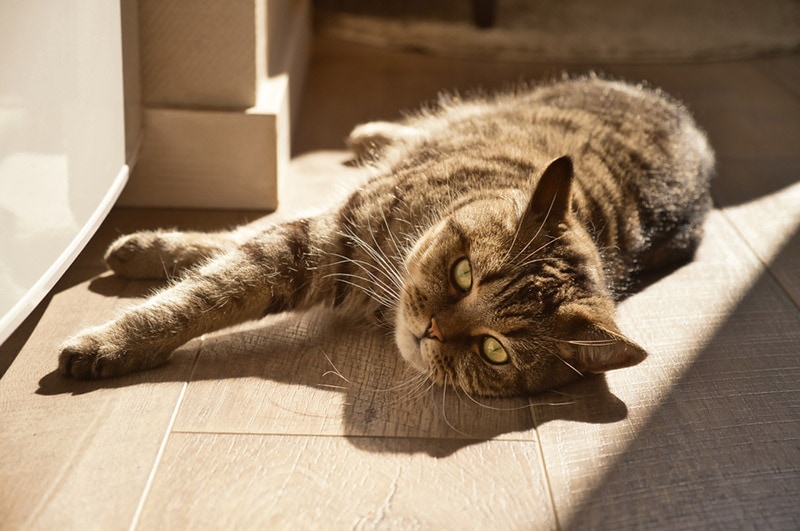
x=162 y=254
x=370 y=140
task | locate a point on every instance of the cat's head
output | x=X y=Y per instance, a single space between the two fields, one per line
x=506 y=295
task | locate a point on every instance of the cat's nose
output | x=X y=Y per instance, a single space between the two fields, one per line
x=433 y=331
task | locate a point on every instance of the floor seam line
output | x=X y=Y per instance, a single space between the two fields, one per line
x=543 y=467
x=766 y=265
x=160 y=454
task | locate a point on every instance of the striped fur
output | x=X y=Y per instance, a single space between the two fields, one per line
x=561 y=198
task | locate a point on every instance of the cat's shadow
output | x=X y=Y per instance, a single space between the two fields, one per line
x=356 y=385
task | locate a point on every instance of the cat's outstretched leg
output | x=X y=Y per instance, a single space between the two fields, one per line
x=271 y=273
x=369 y=140
x=163 y=254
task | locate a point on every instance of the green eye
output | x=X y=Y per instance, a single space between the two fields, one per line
x=493 y=351
x=462 y=274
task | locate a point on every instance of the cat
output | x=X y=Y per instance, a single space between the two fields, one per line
x=495 y=238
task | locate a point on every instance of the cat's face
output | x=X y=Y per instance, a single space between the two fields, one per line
x=503 y=300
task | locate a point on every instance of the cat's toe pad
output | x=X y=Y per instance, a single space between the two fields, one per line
x=124 y=249
x=83 y=358
x=367 y=140
x=140 y=256
x=103 y=352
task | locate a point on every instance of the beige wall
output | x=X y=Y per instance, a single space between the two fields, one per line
x=220 y=82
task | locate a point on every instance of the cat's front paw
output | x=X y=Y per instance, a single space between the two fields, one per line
x=89 y=356
x=80 y=358
x=142 y=255
x=98 y=353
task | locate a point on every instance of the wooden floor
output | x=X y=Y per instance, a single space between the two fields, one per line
x=298 y=422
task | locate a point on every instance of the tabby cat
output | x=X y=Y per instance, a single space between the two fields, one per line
x=495 y=238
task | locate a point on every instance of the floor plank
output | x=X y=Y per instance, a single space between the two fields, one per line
x=711 y=436
x=271 y=482
x=71 y=453
x=771 y=227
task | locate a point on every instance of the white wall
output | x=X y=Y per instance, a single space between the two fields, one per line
x=62 y=140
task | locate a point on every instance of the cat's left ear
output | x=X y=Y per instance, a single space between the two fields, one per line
x=604 y=350
x=597 y=345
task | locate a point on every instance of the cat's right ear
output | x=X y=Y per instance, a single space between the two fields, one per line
x=551 y=199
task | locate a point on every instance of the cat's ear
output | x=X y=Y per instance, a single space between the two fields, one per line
x=552 y=197
x=597 y=345
x=602 y=350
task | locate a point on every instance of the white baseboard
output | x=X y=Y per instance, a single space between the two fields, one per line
x=36 y=293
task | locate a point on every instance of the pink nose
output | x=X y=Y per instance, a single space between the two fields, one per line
x=433 y=331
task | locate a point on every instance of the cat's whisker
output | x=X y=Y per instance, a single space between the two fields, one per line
x=369 y=292
x=423 y=389
x=164 y=267
x=368 y=267
x=389 y=295
x=550 y=404
x=535 y=252
x=336 y=373
x=517 y=232
x=416 y=381
x=583 y=342
x=565 y=362
x=409 y=390
x=377 y=297
x=399 y=387
x=330 y=386
x=381 y=261
x=444 y=410
x=375 y=282
x=388 y=268
x=416 y=387
x=335 y=370
x=562 y=393
x=592 y=342
x=514 y=239
x=495 y=408
x=456 y=390
x=387 y=265
x=392 y=237
x=375 y=252
x=539 y=400
x=415 y=392
x=530 y=262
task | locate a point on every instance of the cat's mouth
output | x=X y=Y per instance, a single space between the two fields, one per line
x=409 y=345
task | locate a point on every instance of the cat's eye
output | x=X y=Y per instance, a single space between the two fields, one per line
x=461 y=274
x=493 y=351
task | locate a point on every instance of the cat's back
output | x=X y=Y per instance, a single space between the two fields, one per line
x=637 y=140
x=559 y=118
x=642 y=165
